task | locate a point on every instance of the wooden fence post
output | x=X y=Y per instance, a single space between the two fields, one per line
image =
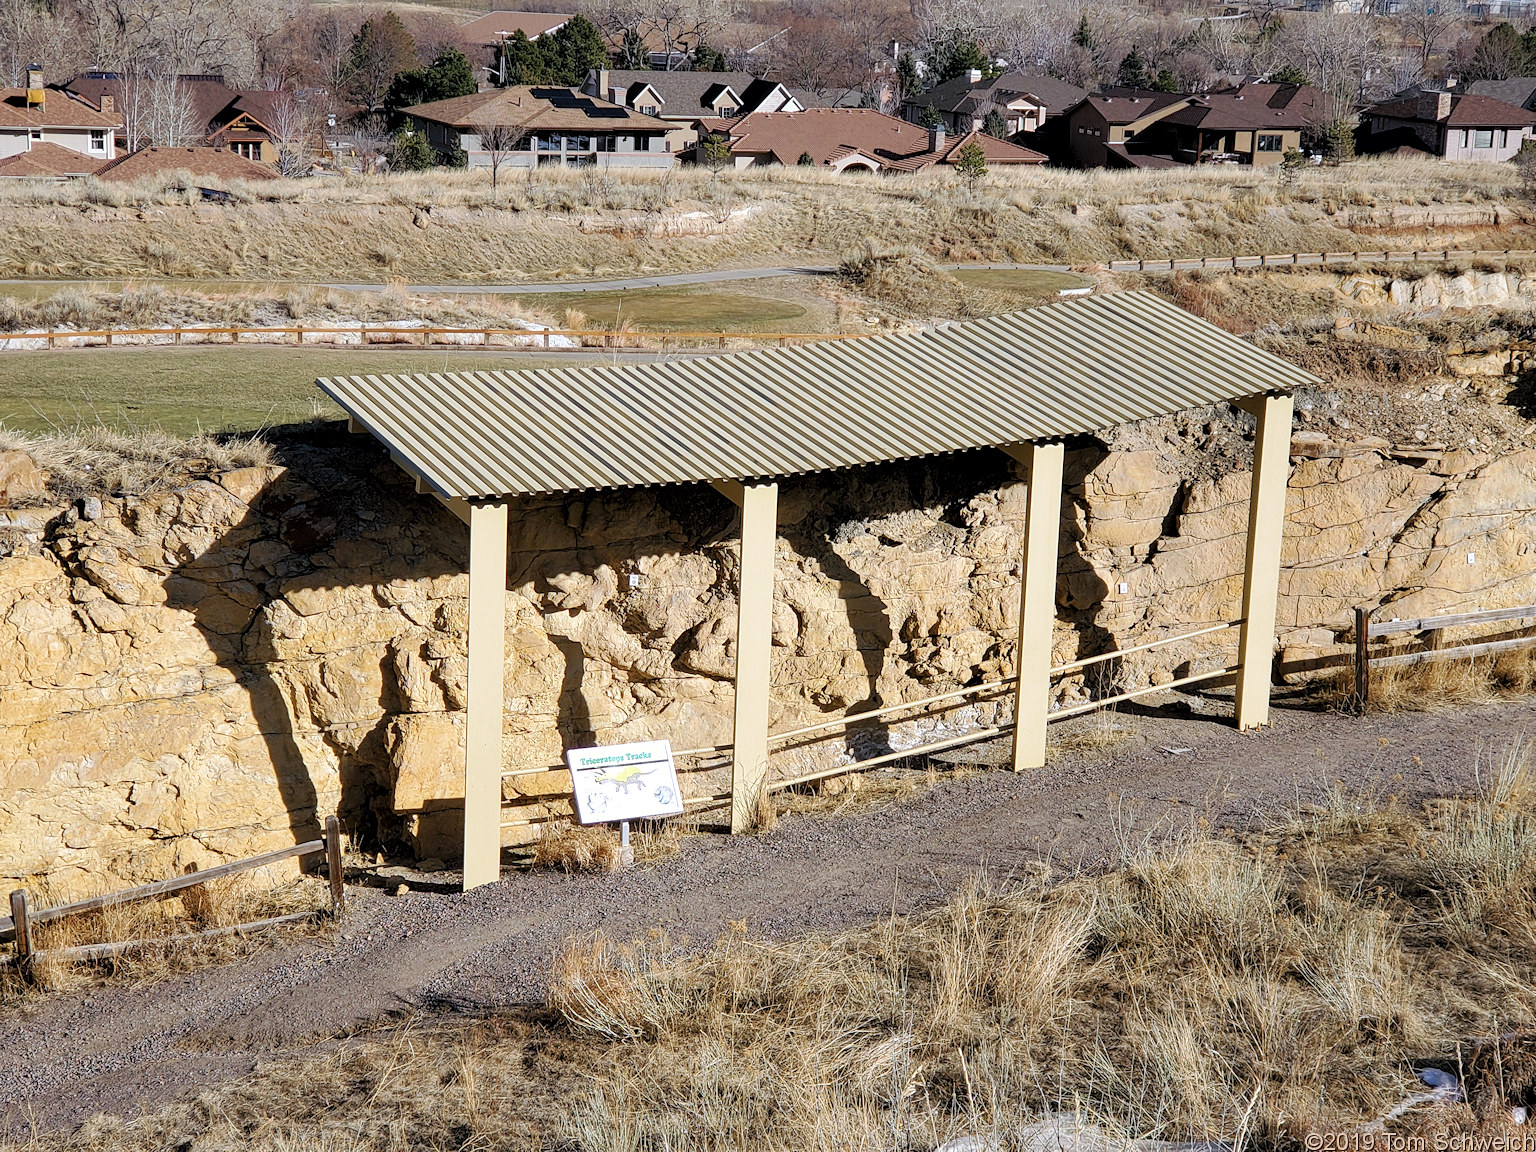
x=23 y=922
x=334 y=867
x=1362 y=659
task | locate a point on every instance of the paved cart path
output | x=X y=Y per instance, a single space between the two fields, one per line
x=669 y=280
x=124 y=1048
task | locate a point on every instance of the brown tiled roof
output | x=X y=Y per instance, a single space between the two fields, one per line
x=1127 y=105
x=492 y=27
x=1466 y=112
x=538 y=109
x=201 y=163
x=49 y=161
x=1252 y=106
x=59 y=109
x=831 y=134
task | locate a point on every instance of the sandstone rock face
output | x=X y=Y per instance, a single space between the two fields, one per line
x=207 y=672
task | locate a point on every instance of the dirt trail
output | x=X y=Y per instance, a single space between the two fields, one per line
x=120 y=1049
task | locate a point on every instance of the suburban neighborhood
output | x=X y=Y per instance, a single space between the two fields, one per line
x=546 y=88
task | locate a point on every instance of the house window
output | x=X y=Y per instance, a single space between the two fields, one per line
x=727 y=113
x=1484 y=138
x=1503 y=137
x=1465 y=137
x=37 y=133
x=1271 y=142
x=549 y=142
x=249 y=149
x=648 y=109
x=98 y=141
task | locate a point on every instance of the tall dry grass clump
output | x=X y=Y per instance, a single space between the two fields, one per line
x=96 y=460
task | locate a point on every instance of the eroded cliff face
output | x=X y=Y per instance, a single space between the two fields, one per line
x=208 y=671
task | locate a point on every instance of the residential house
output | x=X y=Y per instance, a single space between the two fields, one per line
x=1254 y=124
x=681 y=98
x=1517 y=90
x=1447 y=125
x=545 y=126
x=240 y=121
x=37 y=115
x=1100 y=125
x=1025 y=101
x=208 y=166
x=851 y=140
x=483 y=37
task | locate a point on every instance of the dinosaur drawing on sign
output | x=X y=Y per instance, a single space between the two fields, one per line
x=625 y=776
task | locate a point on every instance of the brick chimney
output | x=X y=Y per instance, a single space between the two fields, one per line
x=936 y=138
x=1434 y=105
x=35 y=90
x=108 y=104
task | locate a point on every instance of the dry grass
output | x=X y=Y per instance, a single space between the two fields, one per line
x=1251 y=993
x=1438 y=685
x=100 y=461
x=572 y=848
x=159 y=305
x=446 y=226
x=164 y=926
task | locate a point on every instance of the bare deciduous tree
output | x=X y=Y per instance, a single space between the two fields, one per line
x=30 y=33
x=295 y=126
x=501 y=135
x=1339 y=52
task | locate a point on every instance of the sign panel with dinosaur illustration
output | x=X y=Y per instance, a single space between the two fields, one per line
x=625 y=782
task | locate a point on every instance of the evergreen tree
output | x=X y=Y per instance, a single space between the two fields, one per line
x=1165 y=82
x=971 y=163
x=995 y=124
x=930 y=118
x=570 y=52
x=708 y=59
x=1288 y=74
x=806 y=160
x=1083 y=37
x=1133 y=70
x=908 y=82
x=410 y=152
x=957 y=57
x=449 y=75
x=520 y=61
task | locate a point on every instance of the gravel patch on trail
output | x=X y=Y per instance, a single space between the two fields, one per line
x=124 y=1048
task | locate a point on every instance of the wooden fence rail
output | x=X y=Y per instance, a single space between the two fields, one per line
x=23 y=919
x=1367 y=629
x=1314 y=259
x=368 y=335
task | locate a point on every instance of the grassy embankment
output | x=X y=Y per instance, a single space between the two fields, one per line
x=1255 y=992
x=449 y=228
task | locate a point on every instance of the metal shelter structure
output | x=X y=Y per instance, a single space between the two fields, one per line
x=1019 y=383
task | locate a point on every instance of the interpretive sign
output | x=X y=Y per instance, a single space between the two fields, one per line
x=625 y=782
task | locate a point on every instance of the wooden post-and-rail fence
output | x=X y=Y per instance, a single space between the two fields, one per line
x=428 y=337
x=1367 y=629
x=1316 y=259
x=24 y=919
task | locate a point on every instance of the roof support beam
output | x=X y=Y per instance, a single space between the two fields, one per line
x=754 y=651
x=483 y=724
x=1037 y=600
x=1261 y=572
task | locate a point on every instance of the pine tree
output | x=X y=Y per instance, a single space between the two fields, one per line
x=971 y=163
x=410 y=152
x=521 y=61
x=908 y=82
x=1133 y=70
x=995 y=124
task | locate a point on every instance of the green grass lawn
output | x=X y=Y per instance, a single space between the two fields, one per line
x=1021 y=280
x=694 y=309
x=188 y=390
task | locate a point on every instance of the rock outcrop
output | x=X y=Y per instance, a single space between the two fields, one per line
x=209 y=670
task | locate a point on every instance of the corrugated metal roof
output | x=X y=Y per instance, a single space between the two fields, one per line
x=1078 y=366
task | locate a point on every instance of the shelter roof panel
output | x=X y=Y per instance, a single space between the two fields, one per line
x=1059 y=370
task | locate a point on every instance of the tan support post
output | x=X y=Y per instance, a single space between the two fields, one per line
x=754 y=647
x=1261 y=573
x=487 y=658
x=1037 y=600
